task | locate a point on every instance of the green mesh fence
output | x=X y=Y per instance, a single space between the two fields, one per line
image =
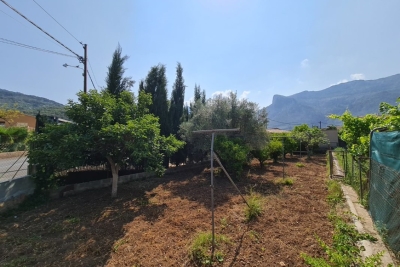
x=384 y=196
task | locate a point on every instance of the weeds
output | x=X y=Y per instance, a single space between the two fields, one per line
x=335 y=193
x=344 y=250
x=200 y=250
x=285 y=181
x=254 y=208
x=300 y=165
x=224 y=223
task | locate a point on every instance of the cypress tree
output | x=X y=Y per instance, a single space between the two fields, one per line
x=177 y=100
x=115 y=81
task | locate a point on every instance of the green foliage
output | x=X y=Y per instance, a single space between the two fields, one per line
x=225 y=113
x=284 y=181
x=300 y=165
x=309 y=136
x=275 y=149
x=255 y=207
x=11 y=137
x=335 y=193
x=115 y=82
x=289 y=143
x=155 y=84
x=107 y=128
x=390 y=115
x=261 y=154
x=233 y=154
x=176 y=112
x=355 y=131
x=344 y=250
x=200 y=249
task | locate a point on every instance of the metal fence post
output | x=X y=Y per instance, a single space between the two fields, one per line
x=361 y=189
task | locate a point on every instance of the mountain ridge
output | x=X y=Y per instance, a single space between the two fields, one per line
x=31 y=104
x=360 y=97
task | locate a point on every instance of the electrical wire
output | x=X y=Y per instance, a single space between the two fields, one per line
x=91 y=80
x=16 y=11
x=90 y=65
x=6 y=41
x=57 y=22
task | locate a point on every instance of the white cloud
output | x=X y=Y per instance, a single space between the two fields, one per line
x=244 y=95
x=357 y=76
x=305 y=63
x=187 y=102
x=223 y=93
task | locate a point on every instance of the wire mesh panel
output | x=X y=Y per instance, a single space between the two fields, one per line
x=13 y=165
x=384 y=198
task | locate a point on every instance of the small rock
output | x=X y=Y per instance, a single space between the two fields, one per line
x=282 y=264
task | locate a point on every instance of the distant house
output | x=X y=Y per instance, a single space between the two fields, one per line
x=20 y=121
x=333 y=137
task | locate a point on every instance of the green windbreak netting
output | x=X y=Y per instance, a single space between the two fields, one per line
x=384 y=198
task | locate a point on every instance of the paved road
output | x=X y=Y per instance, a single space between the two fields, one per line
x=13 y=167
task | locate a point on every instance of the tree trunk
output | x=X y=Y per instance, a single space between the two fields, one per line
x=114 y=171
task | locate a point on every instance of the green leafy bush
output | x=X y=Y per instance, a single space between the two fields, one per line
x=275 y=149
x=233 y=154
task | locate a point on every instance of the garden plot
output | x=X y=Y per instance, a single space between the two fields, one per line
x=154 y=222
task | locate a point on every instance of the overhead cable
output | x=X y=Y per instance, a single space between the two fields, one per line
x=91 y=80
x=6 y=41
x=16 y=11
x=93 y=72
x=57 y=22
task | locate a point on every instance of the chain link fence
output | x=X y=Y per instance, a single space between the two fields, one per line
x=384 y=197
x=13 y=165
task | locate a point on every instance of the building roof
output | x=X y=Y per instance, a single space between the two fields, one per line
x=277 y=130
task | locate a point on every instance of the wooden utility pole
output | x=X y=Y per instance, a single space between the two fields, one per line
x=85 y=69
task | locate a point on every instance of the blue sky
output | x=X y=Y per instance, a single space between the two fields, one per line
x=258 y=48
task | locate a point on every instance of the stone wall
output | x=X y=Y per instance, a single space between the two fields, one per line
x=13 y=192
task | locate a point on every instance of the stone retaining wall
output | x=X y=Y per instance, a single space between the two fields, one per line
x=14 y=192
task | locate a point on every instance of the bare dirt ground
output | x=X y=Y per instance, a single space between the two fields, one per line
x=152 y=222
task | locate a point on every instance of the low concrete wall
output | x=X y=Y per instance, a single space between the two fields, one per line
x=13 y=192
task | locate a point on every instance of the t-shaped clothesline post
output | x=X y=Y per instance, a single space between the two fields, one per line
x=212 y=132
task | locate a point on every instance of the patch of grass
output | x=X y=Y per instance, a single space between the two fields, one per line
x=200 y=250
x=224 y=223
x=254 y=209
x=300 y=165
x=73 y=220
x=118 y=244
x=335 y=193
x=254 y=236
x=284 y=181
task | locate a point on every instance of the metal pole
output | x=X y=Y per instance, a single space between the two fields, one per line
x=352 y=170
x=283 y=157
x=85 y=69
x=361 y=189
x=212 y=193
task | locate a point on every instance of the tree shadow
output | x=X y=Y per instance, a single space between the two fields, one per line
x=80 y=230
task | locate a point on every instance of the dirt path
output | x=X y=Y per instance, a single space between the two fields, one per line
x=363 y=222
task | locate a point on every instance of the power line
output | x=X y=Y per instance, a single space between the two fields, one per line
x=16 y=11
x=6 y=41
x=93 y=72
x=91 y=80
x=57 y=22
